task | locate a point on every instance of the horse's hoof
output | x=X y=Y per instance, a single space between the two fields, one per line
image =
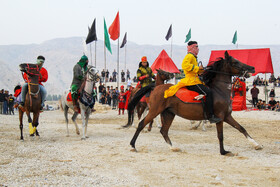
x=230 y=154
x=67 y=135
x=133 y=150
x=87 y=137
x=78 y=133
x=83 y=138
x=193 y=128
x=31 y=134
x=175 y=149
x=259 y=147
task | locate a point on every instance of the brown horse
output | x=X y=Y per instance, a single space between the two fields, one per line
x=218 y=77
x=142 y=106
x=32 y=99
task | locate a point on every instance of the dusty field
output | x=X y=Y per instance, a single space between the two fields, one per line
x=105 y=159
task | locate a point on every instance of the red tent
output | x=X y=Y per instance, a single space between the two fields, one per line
x=165 y=63
x=259 y=58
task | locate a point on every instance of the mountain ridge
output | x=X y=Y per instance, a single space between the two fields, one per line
x=63 y=53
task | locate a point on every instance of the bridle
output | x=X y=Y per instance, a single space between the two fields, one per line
x=28 y=71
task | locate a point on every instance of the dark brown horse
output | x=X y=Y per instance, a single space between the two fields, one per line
x=142 y=106
x=218 y=77
x=32 y=99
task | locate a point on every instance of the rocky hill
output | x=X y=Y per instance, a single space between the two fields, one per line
x=62 y=54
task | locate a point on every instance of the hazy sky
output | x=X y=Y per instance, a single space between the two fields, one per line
x=145 y=21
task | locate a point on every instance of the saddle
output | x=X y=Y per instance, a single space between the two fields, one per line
x=188 y=96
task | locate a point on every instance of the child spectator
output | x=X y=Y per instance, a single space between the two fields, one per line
x=259 y=104
x=122 y=98
x=11 y=104
x=277 y=107
x=115 y=99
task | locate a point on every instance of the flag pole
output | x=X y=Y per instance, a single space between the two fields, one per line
x=95 y=54
x=90 y=54
x=171 y=47
x=104 y=59
x=118 y=61
x=125 y=58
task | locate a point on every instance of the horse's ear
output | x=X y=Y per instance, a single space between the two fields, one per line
x=226 y=55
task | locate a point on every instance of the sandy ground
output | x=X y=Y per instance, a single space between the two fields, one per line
x=105 y=159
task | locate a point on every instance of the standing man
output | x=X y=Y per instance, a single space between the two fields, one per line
x=42 y=78
x=255 y=92
x=127 y=74
x=192 y=81
x=79 y=72
x=2 y=99
x=123 y=76
x=107 y=75
x=103 y=75
x=145 y=75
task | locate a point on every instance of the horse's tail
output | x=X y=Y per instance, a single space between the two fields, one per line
x=132 y=104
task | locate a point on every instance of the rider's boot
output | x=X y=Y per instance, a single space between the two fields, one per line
x=76 y=106
x=214 y=119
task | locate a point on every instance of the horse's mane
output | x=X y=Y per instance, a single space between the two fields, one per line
x=210 y=72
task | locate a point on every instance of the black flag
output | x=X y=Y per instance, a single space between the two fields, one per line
x=91 y=34
x=169 y=33
x=124 y=41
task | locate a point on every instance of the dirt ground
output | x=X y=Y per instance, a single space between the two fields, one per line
x=106 y=159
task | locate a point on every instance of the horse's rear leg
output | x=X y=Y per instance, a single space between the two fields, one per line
x=74 y=117
x=166 y=120
x=20 y=123
x=65 y=109
x=236 y=125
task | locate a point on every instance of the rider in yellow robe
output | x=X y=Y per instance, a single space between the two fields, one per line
x=192 y=81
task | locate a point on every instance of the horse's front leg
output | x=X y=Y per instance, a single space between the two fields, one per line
x=35 y=123
x=221 y=138
x=74 y=117
x=20 y=123
x=87 y=117
x=31 y=128
x=83 y=114
x=229 y=119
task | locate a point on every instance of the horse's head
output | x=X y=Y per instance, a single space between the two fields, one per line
x=29 y=69
x=93 y=73
x=164 y=75
x=238 y=68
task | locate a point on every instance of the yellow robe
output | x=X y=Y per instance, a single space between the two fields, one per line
x=190 y=67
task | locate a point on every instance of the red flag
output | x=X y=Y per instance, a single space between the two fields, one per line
x=114 y=29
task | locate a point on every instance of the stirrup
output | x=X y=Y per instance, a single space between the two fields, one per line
x=214 y=119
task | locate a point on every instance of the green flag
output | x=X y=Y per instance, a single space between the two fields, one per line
x=234 y=39
x=106 y=38
x=188 y=37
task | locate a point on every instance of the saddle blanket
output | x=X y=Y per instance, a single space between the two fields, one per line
x=187 y=96
x=69 y=97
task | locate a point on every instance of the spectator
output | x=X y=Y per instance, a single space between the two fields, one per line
x=108 y=96
x=2 y=99
x=271 y=104
x=277 y=107
x=103 y=75
x=123 y=76
x=128 y=83
x=134 y=79
x=111 y=79
x=107 y=75
x=272 y=93
x=237 y=87
x=263 y=105
x=6 y=100
x=100 y=88
x=115 y=99
x=259 y=104
x=127 y=74
x=115 y=76
x=255 y=92
x=122 y=99
x=95 y=91
x=11 y=104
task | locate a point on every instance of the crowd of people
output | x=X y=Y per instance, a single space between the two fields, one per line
x=7 y=101
x=106 y=77
x=115 y=98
